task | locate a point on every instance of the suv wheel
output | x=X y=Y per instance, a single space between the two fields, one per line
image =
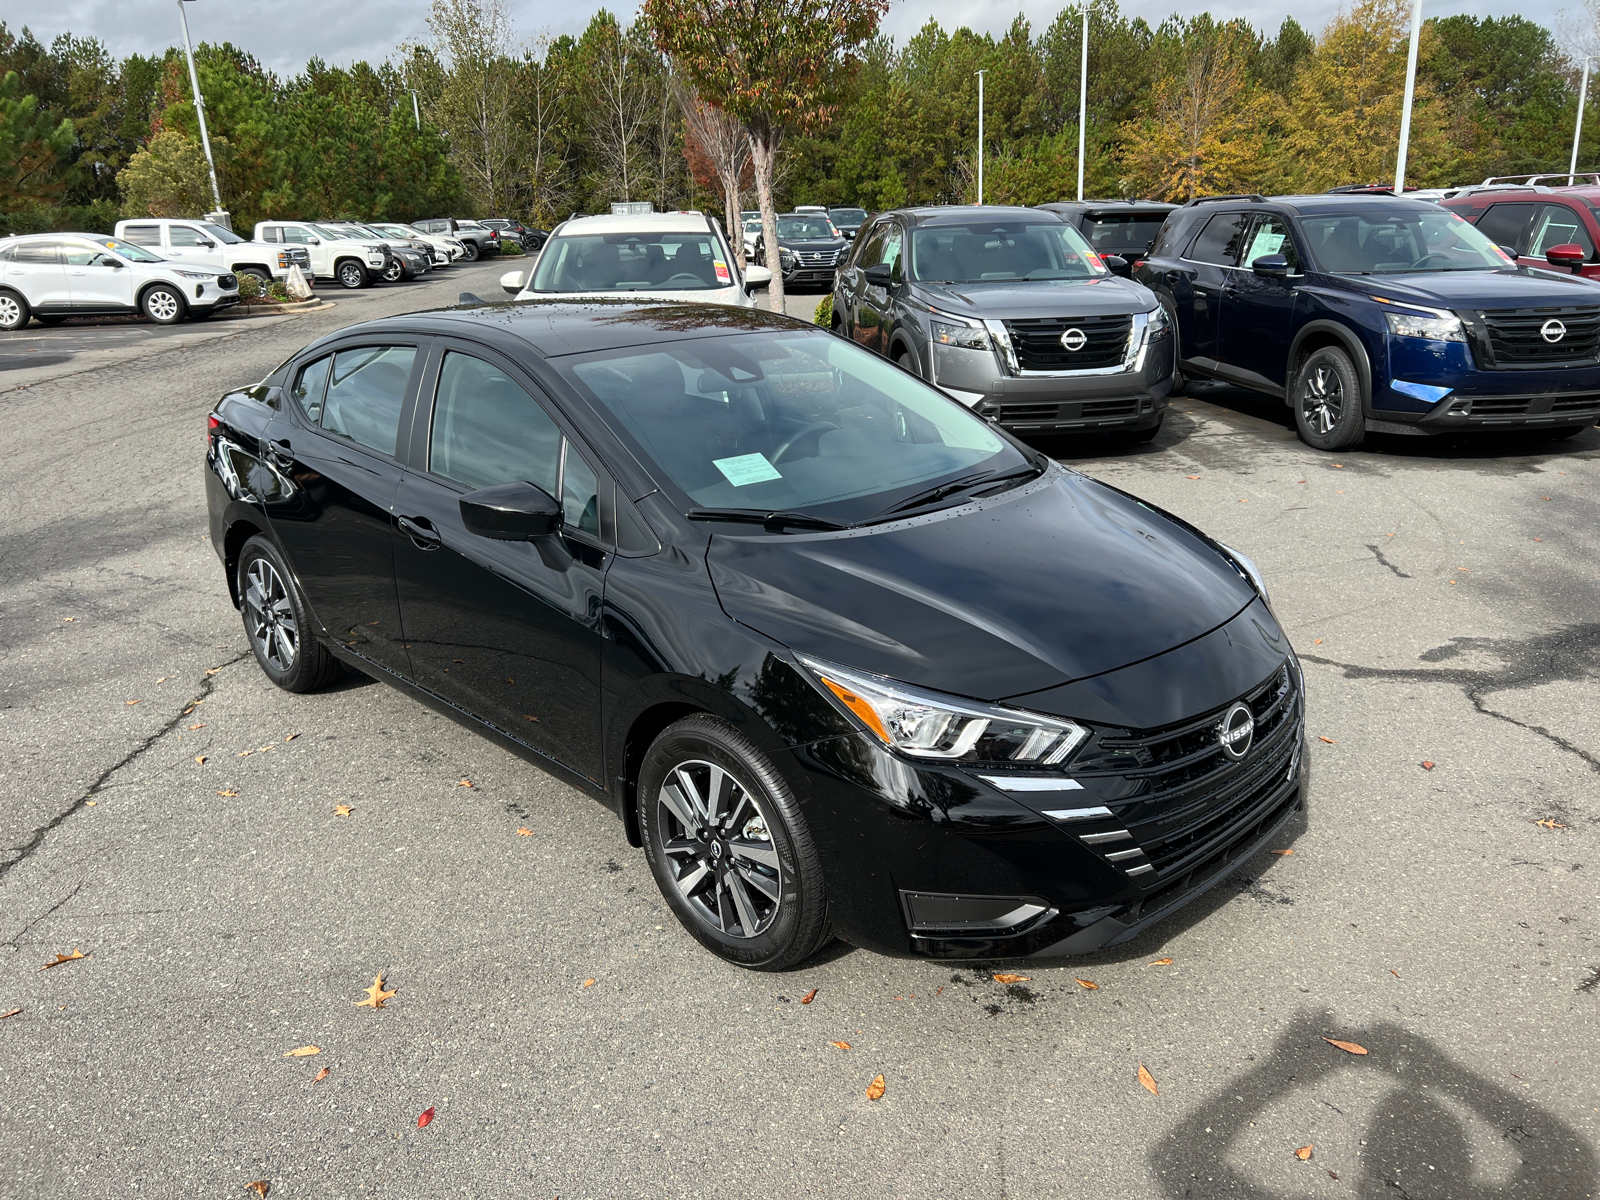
x=728 y=846
x=469 y=249
x=278 y=623
x=352 y=274
x=1328 y=405
x=14 y=311
x=163 y=305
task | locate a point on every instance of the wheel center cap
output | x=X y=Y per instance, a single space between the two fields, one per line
x=716 y=850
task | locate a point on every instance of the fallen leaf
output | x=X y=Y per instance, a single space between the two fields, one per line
x=200 y=758
x=304 y=1052
x=841 y=1045
x=1329 y=740
x=526 y=717
x=69 y=618
x=1538 y=539
x=809 y=996
x=375 y=995
x=342 y=810
x=1544 y=497
x=1191 y=477
x=1011 y=979
x=876 y=1088
x=1347 y=1047
x=213 y=670
x=1338 y=465
x=228 y=792
x=202 y=725
x=425 y=1119
x=466 y=783
x=1160 y=962
x=938 y=991
x=320 y=1075
x=1333 y=1175
x=260 y=1187
x=1426 y=765
x=130 y=702
x=588 y=983
x=1395 y=973
x=243 y=754
x=1285 y=852
x=1148 y=1080
x=1243 y=501
x=164 y=678
x=1303 y=1153
x=1551 y=823
x=91 y=803
x=291 y=737
x=524 y=832
x=1318 y=642
x=1088 y=984
x=15 y=1011
x=61 y=958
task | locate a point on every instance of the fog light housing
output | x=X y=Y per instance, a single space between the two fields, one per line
x=935 y=914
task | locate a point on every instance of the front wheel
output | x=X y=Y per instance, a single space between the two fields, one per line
x=1328 y=405
x=352 y=274
x=163 y=305
x=728 y=847
x=278 y=623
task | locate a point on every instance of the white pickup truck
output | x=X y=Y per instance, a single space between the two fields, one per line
x=213 y=246
x=353 y=262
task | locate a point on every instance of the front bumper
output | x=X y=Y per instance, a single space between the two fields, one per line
x=1477 y=398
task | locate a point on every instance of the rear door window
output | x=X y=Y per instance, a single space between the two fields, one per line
x=1221 y=240
x=1558 y=225
x=1506 y=224
x=366 y=390
x=143 y=235
x=309 y=384
x=39 y=252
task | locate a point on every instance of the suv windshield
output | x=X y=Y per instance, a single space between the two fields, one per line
x=1113 y=233
x=990 y=250
x=1396 y=241
x=788 y=421
x=226 y=236
x=802 y=229
x=631 y=262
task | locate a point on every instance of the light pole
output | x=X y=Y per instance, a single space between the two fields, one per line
x=1577 y=132
x=415 y=111
x=200 y=111
x=1411 y=87
x=1083 y=97
x=980 y=136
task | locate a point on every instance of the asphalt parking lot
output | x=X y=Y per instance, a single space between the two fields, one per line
x=168 y=813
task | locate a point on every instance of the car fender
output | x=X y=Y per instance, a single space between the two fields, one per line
x=900 y=342
x=1348 y=338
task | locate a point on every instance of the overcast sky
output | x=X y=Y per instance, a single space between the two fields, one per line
x=283 y=34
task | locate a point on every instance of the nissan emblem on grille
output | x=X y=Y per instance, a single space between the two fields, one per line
x=1236 y=731
x=1552 y=331
x=1074 y=339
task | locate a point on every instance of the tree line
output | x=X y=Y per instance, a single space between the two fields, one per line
x=667 y=107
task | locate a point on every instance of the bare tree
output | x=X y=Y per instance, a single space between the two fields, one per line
x=621 y=106
x=721 y=139
x=476 y=102
x=549 y=146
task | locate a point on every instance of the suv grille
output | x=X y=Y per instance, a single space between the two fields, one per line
x=228 y=281
x=819 y=258
x=1037 y=342
x=1516 y=339
x=1183 y=796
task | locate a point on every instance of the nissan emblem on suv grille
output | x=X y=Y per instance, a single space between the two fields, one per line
x=1237 y=731
x=1552 y=331
x=1074 y=339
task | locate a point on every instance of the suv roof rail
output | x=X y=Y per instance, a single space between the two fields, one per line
x=1257 y=197
x=1592 y=178
x=1498 y=189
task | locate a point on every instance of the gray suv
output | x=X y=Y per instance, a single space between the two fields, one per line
x=1011 y=312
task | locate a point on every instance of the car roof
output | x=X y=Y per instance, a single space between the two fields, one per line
x=1319 y=205
x=965 y=214
x=673 y=222
x=1108 y=206
x=33 y=237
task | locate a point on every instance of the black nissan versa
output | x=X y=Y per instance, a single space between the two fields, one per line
x=845 y=658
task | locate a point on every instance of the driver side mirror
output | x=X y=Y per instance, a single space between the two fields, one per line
x=313 y=241
x=1569 y=255
x=756 y=277
x=1117 y=265
x=1271 y=266
x=511 y=512
x=206 y=244
x=879 y=275
x=511 y=282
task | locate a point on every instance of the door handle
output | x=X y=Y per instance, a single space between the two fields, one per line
x=421 y=531
x=280 y=454
x=1174 y=276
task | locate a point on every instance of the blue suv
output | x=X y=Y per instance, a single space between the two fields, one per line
x=1376 y=314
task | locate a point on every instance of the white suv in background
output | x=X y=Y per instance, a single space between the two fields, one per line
x=353 y=262
x=446 y=250
x=213 y=246
x=660 y=256
x=54 y=276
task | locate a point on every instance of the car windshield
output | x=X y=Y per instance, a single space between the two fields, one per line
x=848 y=216
x=129 y=251
x=801 y=229
x=1112 y=233
x=631 y=262
x=226 y=236
x=1381 y=241
x=788 y=421
x=331 y=232
x=987 y=251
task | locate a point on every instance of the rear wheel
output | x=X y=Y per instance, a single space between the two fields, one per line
x=1328 y=405
x=469 y=250
x=163 y=305
x=728 y=847
x=14 y=310
x=278 y=623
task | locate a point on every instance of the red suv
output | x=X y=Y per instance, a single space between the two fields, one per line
x=1545 y=227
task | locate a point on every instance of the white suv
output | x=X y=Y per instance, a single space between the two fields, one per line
x=354 y=262
x=58 y=275
x=214 y=246
x=660 y=256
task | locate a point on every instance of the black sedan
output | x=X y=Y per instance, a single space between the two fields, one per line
x=810 y=249
x=846 y=659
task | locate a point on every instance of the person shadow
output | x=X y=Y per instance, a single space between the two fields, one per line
x=1416 y=1145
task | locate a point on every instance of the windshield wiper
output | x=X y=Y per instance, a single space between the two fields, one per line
x=964 y=483
x=773 y=522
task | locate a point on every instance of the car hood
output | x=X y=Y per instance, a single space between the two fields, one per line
x=732 y=294
x=1056 y=581
x=1479 y=289
x=1101 y=296
x=809 y=244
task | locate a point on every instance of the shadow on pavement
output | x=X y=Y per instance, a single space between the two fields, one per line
x=1417 y=1147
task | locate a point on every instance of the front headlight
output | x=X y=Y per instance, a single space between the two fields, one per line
x=1436 y=327
x=197 y=275
x=1160 y=324
x=964 y=335
x=930 y=725
x=1250 y=571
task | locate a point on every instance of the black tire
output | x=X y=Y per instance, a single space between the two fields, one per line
x=163 y=304
x=278 y=623
x=758 y=834
x=352 y=274
x=1329 y=408
x=469 y=250
x=14 y=310
x=905 y=362
x=1139 y=437
x=50 y=320
x=259 y=274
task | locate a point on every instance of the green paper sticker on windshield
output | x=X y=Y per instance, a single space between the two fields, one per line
x=746 y=469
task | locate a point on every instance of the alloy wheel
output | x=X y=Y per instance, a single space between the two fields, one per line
x=269 y=616
x=1322 y=398
x=161 y=305
x=392 y=273
x=350 y=275
x=718 y=846
x=10 y=312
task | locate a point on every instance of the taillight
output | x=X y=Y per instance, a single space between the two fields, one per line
x=211 y=427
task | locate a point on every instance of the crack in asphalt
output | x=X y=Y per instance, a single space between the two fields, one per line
x=1565 y=655
x=21 y=933
x=1379 y=555
x=207 y=684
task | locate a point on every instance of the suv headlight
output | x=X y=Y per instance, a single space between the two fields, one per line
x=1435 y=326
x=1160 y=324
x=953 y=331
x=197 y=275
x=1251 y=572
x=930 y=725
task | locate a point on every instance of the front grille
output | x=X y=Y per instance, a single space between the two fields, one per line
x=1516 y=339
x=228 y=281
x=1110 y=408
x=1067 y=412
x=1502 y=406
x=1037 y=342
x=1579 y=403
x=1537 y=405
x=819 y=258
x=1179 y=796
